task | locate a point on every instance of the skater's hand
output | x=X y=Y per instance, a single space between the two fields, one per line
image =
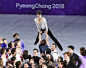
x=40 y=32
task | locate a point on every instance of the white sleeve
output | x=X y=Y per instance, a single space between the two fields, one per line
x=46 y=24
x=18 y=57
x=36 y=24
x=55 y=57
x=9 y=57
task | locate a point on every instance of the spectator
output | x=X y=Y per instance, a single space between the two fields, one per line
x=8 y=50
x=35 y=55
x=74 y=56
x=59 y=59
x=13 y=59
x=11 y=63
x=11 y=56
x=48 y=51
x=35 y=65
x=69 y=63
x=40 y=63
x=18 y=47
x=11 y=45
x=4 y=43
x=44 y=65
x=18 y=64
x=82 y=52
x=61 y=64
x=42 y=60
x=18 y=41
x=1 y=63
x=25 y=58
x=43 y=45
x=14 y=53
x=3 y=56
x=31 y=61
x=50 y=62
x=83 y=60
x=82 y=57
x=26 y=65
x=54 y=53
x=16 y=37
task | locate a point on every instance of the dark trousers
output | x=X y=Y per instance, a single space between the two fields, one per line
x=52 y=37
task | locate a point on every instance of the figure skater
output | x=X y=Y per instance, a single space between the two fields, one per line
x=42 y=27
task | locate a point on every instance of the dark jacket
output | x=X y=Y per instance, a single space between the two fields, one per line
x=36 y=59
x=71 y=64
x=74 y=57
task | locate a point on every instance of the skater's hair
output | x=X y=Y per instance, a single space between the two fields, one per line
x=13 y=50
x=35 y=49
x=48 y=51
x=39 y=12
x=70 y=46
x=9 y=44
x=55 y=45
x=15 y=34
x=85 y=52
x=82 y=49
x=43 y=42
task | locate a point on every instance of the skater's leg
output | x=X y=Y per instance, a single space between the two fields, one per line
x=37 y=38
x=54 y=39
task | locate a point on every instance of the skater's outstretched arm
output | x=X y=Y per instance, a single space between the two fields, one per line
x=47 y=39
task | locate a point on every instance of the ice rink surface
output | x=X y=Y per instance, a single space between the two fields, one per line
x=69 y=30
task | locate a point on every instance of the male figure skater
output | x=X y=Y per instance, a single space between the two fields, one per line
x=42 y=27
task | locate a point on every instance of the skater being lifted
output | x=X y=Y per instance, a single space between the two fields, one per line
x=42 y=27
